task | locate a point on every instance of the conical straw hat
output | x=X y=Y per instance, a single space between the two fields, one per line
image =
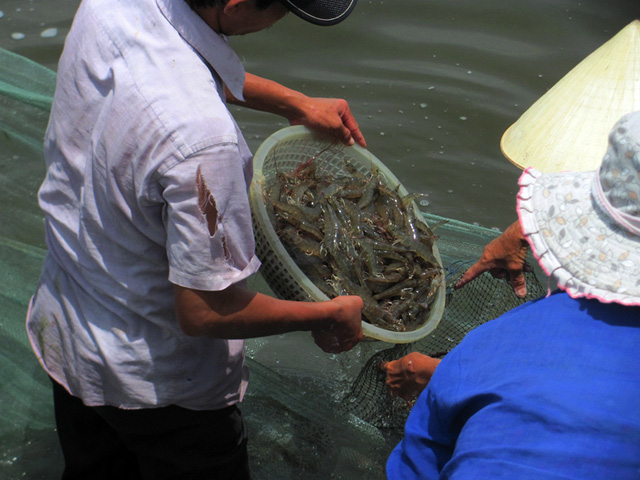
x=568 y=127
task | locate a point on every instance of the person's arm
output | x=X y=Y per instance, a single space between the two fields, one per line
x=236 y=312
x=503 y=256
x=408 y=376
x=328 y=115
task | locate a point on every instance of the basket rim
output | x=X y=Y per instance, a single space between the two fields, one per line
x=259 y=210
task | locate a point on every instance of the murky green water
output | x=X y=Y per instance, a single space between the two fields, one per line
x=433 y=84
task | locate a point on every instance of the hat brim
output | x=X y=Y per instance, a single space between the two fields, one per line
x=587 y=253
x=567 y=128
x=321 y=12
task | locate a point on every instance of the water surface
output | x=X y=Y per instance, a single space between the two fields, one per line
x=433 y=84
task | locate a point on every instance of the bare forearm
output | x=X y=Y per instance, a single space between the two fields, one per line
x=268 y=96
x=328 y=115
x=514 y=233
x=240 y=313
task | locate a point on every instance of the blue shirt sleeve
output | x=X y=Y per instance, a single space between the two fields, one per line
x=426 y=446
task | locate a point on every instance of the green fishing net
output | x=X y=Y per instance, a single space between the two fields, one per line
x=310 y=415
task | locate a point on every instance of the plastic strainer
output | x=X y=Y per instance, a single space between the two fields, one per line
x=282 y=152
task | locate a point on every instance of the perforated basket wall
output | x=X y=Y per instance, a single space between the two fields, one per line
x=274 y=272
x=282 y=152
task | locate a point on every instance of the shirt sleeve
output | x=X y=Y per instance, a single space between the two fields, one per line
x=427 y=444
x=210 y=242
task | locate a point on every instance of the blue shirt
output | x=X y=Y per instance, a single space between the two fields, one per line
x=550 y=390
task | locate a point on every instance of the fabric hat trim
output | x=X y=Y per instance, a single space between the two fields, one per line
x=574 y=280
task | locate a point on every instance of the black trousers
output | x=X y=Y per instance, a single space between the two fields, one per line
x=108 y=443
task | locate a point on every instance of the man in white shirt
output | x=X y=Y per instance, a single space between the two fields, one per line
x=140 y=314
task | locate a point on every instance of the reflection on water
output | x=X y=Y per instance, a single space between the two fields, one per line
x=434 y=84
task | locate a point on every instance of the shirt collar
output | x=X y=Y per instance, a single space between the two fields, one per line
x=212 y=46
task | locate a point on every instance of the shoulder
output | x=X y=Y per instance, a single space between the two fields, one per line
x=557 y=323
x=520 y=329
x=536 y=310
x=159 y=81
x=182 y=94
x=542 y=310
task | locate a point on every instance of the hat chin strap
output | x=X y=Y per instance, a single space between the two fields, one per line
x=629 y=222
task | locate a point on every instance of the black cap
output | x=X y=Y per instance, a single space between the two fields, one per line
x=321 y=12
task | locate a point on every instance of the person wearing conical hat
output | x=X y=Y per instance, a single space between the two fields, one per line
x=550 y=389
x=566 y=130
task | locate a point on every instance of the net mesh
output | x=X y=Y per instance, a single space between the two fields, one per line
x=464 y=310
x=309 y=414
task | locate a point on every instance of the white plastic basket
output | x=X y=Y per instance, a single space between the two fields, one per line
x=282 y=152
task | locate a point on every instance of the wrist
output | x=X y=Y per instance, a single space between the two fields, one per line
x=317 y=315
x=291 y=105
x=514 y=232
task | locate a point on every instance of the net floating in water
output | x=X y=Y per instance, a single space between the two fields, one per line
x=289 y=149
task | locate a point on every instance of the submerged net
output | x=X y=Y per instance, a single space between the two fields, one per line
x=310 y=415
x=482 y=300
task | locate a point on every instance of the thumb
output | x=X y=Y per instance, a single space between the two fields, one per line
x=518 y=283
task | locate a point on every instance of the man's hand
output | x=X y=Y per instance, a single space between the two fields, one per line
x=409 y=375
x=504 y=256
x=331 y=116
x=328 y=115
x=346 y=330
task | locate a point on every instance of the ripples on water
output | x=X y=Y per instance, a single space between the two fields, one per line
x=433 y=84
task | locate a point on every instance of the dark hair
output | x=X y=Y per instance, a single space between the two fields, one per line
x=260 y=4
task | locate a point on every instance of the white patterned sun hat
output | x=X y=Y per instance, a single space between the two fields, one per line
x=584 y=227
